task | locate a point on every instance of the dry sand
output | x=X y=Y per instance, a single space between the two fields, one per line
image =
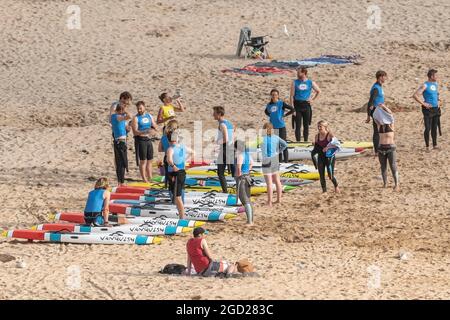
x=57 y=85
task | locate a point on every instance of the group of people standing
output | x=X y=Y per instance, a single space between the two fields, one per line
x=234 y=154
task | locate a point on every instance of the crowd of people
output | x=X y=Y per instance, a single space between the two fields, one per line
x=234 y=156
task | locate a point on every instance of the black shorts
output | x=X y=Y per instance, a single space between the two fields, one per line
x=176 y=182
x=94 y=219
x=144 y=148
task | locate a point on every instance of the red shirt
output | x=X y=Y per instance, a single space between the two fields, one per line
x=196 y=254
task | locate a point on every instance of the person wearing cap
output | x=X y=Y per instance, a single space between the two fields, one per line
x=430 y=107
x=177 y=153
x=199 y=256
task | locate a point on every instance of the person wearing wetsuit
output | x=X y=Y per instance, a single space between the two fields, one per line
x=324 y=159
x=430 y=107
x=275 y=110
x=301 y=98
x=125 y=100
x=119 y=128
x=225 y=142
x=376 y=99
x=387 y=150
x=243 y=164
x=96 y=211
x=177 y=154
x=142 y=124
x=164 y=145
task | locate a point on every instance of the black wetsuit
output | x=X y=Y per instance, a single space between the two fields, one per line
x=375 y=136
x=324 y=162
x=387 y=153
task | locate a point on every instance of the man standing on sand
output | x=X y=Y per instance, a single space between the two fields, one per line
x=225 y=141
x=376 y=98
x=430 y=108
x=125 y=100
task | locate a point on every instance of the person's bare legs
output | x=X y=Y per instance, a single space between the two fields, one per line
x=149 y=169
x=277 y=181
x=268 y=178
x=180 y=207
x=142 y=169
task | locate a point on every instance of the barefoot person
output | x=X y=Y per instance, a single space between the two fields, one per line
x=275 y=110
x=271 y=146
x=167 y=110
x=96 y=211
x=387 y=150
x=325 y=152
x=119 y=128
x=200 y=257
x=142 y=124
x=430 y=107
x=125 y=100
x=243 y=164
x=301 y=98
x=225 y=138
x=376 y=98
x=177 y=153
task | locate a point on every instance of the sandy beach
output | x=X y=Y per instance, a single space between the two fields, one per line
x=58 y=83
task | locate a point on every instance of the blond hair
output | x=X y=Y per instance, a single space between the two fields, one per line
x=172 y=125
x=324 y=124
x=268 y=127
x=102 y=183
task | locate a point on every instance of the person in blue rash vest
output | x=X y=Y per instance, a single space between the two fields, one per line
x=164 y=144
x=430 y=108
x=243 y=164
x=96 y=211
x=271 y=146
x=376 y=99
x=177 y=155
x=225 y=139
x=275 y=110
x=119 y=128
x=303 y=92
x=142 y=124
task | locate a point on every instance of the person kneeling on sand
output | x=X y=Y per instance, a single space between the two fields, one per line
x=96 y=212
x=199 y=256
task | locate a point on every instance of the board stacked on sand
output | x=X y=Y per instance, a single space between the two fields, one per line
x=211 y=181
x=87 y=238
x=231 y=189
x=172 y=207
x=142 y=229
x=78 y=217
x=163 y=196
x=344 y=144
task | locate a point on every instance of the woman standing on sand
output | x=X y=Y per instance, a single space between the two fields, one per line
x=272 y=145
x=167 y=110
x=384 y=119
x=326 y=155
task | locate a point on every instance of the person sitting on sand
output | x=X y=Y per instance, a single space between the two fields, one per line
x=387 y=148
x=243 y=164
x=271 y=147
x=177 y=153
x=125 y=100
x=167 y=110
x=141 y=125
x=199 y=256
x=96 y=211
x=164 y=144
x=119 y=128
x=326 y=158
